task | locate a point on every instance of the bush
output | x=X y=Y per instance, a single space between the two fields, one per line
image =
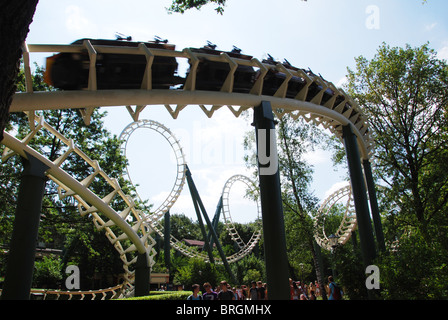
x=414 y=270
x=164 y=295
x=197 y=271
x=47 y=272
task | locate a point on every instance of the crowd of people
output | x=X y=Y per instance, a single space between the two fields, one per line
x=258 y=291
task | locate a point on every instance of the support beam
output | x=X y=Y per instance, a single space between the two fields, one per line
x=197 y=200
x=166 y=240
x=19 y=272
x=271 y=204
x=374 y=206
x=142 y=275
x=215 y=222
x=366 y=238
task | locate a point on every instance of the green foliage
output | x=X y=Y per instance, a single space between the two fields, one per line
x=183 y=227
x=248 y=269
x=350 y=273
x=414 y=270
x=404 y=93
x=181 y=6
x=251 y=275
x=164 y=295
x=47 y=273
x=197 y=271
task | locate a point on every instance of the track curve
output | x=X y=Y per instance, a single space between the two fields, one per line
x=344 y=197
x=332 y=113
x=154 y=216
x=228 y=221
x=102 y=210
x=180 y=161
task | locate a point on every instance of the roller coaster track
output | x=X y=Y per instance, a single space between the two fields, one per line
x=330 y=114
x=129 y=220
x=155 y=215
x=228 y=222
x=103 y=294
x=180 y=161
x=344 y=197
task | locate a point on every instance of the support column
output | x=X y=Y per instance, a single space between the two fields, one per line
x=19 y=272
x=198 y=202
x=166 y=240
x=196 y=199
x=366 y=238
x=374 y=206
x=271 y=204
x=142 y=275
x=215 y=222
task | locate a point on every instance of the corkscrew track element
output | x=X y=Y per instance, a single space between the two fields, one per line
x=343 y=197
x=154 y=216
x=228 y=218
x=180 y=161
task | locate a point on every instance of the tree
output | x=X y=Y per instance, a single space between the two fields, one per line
x=197 y=271
x=15 y=18
x=295 y=139
x=181 y=6
x=403 y=92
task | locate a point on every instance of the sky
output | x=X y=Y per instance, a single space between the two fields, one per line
x=323 y=35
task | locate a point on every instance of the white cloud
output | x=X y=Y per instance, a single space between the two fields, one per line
x=431 y=26
x=341 y=82
x=318 y=156
x=442 y=54
x=335 y=187
x=76 y=22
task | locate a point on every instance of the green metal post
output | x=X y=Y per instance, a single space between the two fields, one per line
x=320 y=263
x=374 y=206
x=215 y=222
x=271 y=204
x=166 y=239
x=19 y=272
x=197 y=199
x=142 y=275
x=366 y=238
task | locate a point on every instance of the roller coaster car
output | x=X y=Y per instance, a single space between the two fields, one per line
x=70 y=71
x=274 y=79
x=329 y=93
x=211 y=75
x=316 y=87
